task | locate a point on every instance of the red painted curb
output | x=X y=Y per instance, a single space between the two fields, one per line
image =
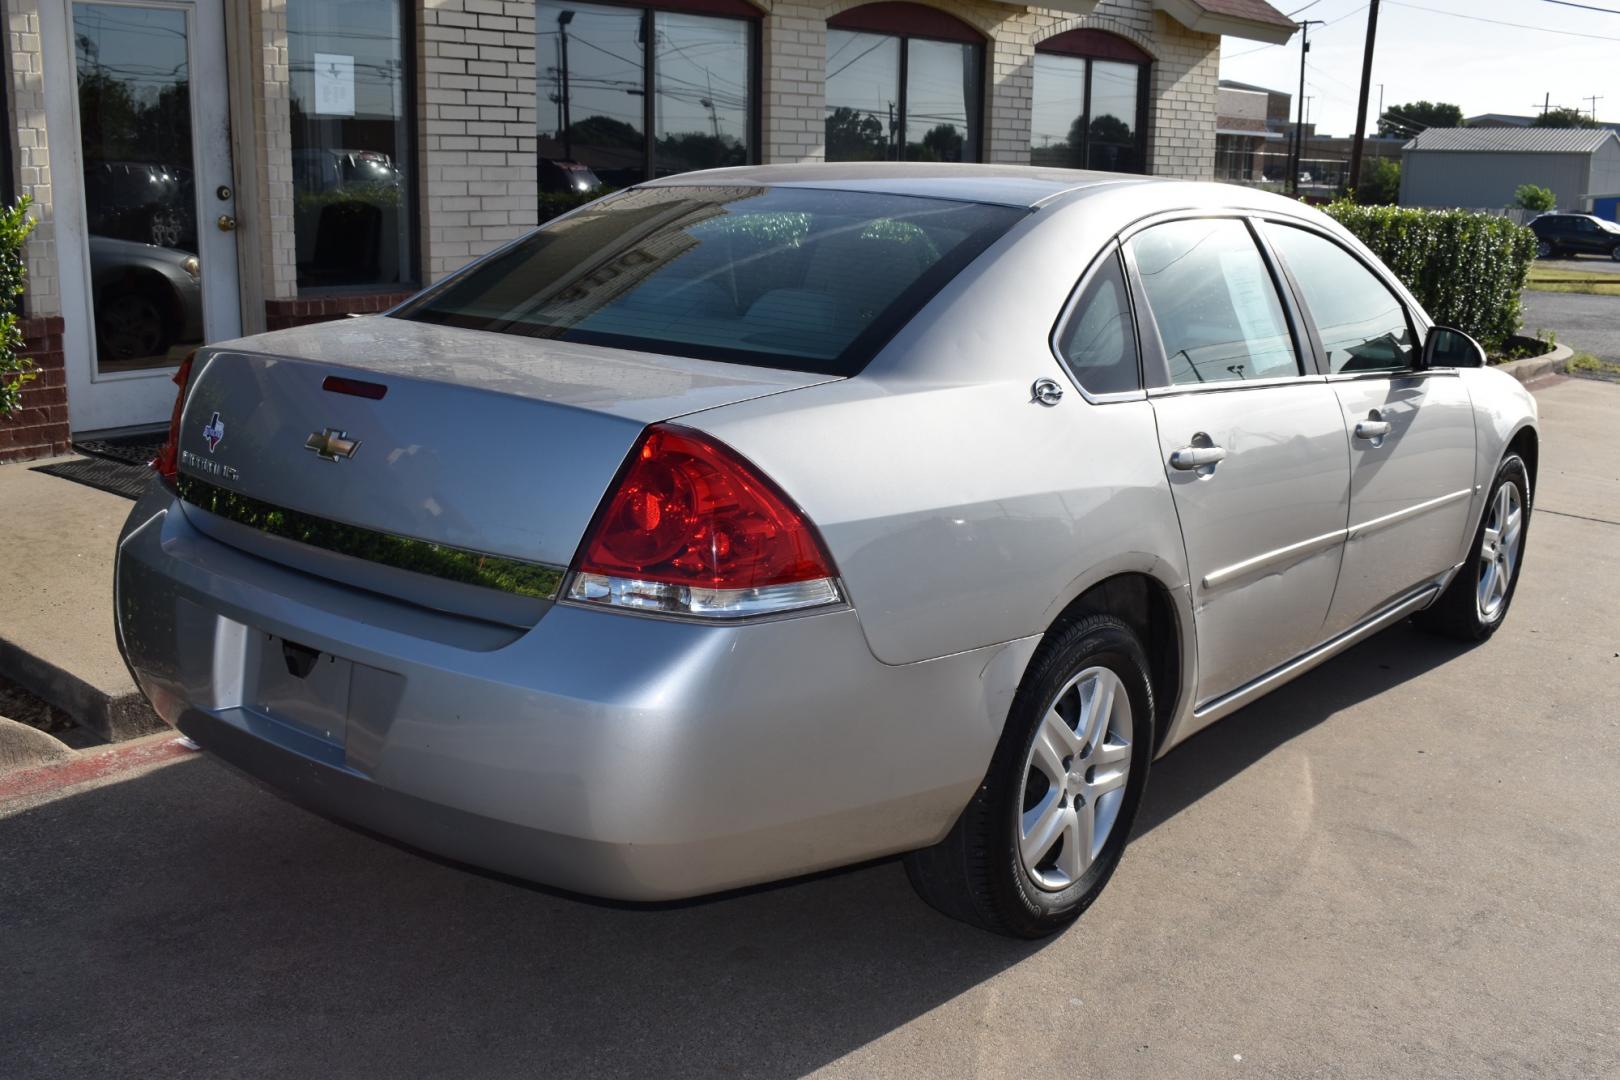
x=94 y=765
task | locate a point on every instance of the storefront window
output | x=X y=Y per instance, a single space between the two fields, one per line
x=903 y=81
x=351 y=145
x=598 y=125
x=1088 y=103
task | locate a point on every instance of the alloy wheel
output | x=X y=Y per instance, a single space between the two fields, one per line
x=1499 y=550
x=1074 y=778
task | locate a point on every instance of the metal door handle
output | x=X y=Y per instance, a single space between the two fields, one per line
x=1372 y=429
x=1189 y=458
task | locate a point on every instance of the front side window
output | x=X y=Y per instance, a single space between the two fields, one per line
x=1362 y=324
x=805 y=279
x=351 y=143
x=1086 y=104
x=1214 y=302
x=595 y=65
x=1099 y=341
x=896 y=91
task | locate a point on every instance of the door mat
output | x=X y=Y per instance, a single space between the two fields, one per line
x=130 y=449
x=105 y=474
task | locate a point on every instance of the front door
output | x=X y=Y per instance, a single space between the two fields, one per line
x=1254 y=450
x=147 y=213
x=1411 y=432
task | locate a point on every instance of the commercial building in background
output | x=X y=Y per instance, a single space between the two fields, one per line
x=1482 y=168
x=1254 y=143
x=205 y=168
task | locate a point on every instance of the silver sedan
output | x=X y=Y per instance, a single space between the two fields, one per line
x=749 y=523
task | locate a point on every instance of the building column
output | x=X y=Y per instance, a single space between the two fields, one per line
x=793 y=91
x=1181 y=133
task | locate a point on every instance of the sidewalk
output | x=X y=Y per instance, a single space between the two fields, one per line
x=56 y=623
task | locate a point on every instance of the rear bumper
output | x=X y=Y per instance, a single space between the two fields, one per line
x=625 y=757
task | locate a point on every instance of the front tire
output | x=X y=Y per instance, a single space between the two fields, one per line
x=1544 y=250
x=1051 y=818
x=1477 y=600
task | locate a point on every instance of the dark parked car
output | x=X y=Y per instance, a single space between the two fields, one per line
x=570 y=176
x=142 y=202
x=1575 y=234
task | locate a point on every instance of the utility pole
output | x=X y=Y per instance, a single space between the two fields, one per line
x=1299 y=128
x=563 y=19
x=1594 y=99
x=1546 y=105
x=1366 y=88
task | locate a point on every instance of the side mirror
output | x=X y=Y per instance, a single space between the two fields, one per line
x=1446 y=347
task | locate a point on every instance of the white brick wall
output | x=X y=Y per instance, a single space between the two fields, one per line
x=31 y=160
x=272 y=147
x=476 y=128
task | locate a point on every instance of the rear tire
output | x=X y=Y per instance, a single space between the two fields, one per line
x=1544 y=250
x=1477 y=600
x=1051 y=818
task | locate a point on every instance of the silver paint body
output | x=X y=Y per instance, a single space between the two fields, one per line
x=644 y=758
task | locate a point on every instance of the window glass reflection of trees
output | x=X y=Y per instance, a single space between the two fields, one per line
x=868 y=119
x=593 y=84
x=1065 y=134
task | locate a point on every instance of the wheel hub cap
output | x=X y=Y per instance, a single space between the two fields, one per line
x=1499 y=550
x=1074 y=778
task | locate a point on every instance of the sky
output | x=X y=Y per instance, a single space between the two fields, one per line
x=1427 y=50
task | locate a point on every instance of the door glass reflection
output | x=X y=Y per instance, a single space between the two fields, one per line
x=139 y=189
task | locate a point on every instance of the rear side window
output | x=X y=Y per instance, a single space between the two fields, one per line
x=1362 y=324
x=1214 y=302
x=807 y=279
x=1099 y=342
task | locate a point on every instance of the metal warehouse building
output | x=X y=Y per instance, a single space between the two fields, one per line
x=1483 y=167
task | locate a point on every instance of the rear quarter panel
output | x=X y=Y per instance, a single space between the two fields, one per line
x=961 y=512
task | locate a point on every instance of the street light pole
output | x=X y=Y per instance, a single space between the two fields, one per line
x=1366 y=90
x=563 y=19
x=1299 y=127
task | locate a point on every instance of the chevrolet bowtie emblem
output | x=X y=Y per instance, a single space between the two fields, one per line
x=330 y=444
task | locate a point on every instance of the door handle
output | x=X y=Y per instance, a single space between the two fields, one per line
x=1372 y=429
x=1190 y=458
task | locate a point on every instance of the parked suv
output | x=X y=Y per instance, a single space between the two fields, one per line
x=1575 y=234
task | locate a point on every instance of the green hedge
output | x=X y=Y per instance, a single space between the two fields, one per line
x=1467 y=270
x=15 y=370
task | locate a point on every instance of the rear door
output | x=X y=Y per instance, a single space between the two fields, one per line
x=1253 y=442
x=1411 y=431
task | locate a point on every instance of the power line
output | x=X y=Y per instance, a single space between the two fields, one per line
x=1499 y=22
x=1324 y=26
x=1584 y=7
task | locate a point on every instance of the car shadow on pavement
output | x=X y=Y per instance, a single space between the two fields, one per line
x=186 y=922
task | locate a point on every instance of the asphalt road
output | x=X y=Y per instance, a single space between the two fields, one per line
x=1581 y=321
x=1404 y=864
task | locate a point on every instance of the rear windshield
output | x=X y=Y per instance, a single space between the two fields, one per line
x=805 y=279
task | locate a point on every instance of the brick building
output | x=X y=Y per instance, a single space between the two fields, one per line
x=207 y=168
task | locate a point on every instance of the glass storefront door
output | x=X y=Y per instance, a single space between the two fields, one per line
x=158 y=259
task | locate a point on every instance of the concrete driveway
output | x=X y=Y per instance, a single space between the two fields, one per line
x=1402 y=865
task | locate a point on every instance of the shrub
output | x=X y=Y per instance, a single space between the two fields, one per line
x=1531 y=197
x=1380 y=182
x=1466 y=269
x=556 y=203
x=15 y=225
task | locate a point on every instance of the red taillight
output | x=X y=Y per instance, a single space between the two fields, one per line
x=692 y=528
x=168 y=459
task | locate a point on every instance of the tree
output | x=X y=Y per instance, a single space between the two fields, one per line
x=1405 y=121
x=855 y=136
x=1380 y=182
x=1564 y=118
x=1531 y=197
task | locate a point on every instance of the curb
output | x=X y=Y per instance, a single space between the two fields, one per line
x=1534 y=367
x=22 y=746
x=87 y=765
x=114 y=717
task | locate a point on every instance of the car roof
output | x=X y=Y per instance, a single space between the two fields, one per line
x=1004 y=185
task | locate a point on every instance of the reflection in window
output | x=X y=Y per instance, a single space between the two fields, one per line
x=1214 y=302
x=140 y=197
x=1086 y=110
x=1099 y=340
x=594 y=109
x=350 y=142
x=873 y=114
x=1362 y=325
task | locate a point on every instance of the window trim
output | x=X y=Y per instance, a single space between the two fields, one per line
x=896 y=19
x=1156 y=368
x=1115 y=250
x=737 y=10
x=1083 y=44
x=1323 y=364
